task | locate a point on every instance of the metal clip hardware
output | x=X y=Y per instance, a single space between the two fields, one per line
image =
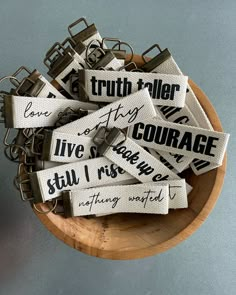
x=79 y=47
x=30 y=85
x=151 y=64
x=24 y=71
x=100 y=58
x=119 y=44
x=118 y=53
x=58 y=58
x=17 y=147
x=83 y=35
x=36 y=141
x=104 y=138
x=22 y=183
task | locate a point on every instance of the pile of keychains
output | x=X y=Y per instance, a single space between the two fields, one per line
x=111 y=133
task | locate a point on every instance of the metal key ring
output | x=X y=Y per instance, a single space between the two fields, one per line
x=47 y=211
x=130 y=47
x=9 y=78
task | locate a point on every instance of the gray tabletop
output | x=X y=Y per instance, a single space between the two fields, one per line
x=201 y=37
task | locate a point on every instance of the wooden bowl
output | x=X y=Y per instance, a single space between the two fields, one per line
x=130 y=236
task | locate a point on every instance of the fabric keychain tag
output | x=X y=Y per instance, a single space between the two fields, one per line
x=65 y=147
x=31 y=112
x=176 y=138
x=165 y=63
x=133 y=158
x=145 y=198
x=108 y=86
x=121 y=114
x=48 y=184
x=42 y=165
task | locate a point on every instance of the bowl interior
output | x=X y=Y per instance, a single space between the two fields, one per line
x=129 y=236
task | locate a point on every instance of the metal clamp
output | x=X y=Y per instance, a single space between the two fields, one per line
x=151 y=64
x=84 y=34
x=36 y=140
x=92 y=57
x=149 y=50
x=105 y=137
x=80 y=20
x=58 y=58
x=131 y=67
x=22 y=183
x=78 y=46
x=49 y=59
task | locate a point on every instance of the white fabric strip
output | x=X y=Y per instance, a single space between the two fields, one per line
x=65 y=147
x=170 y=67
x=48 y=90
x=108 y=86
x=31 y=112
x=48 y=184
x=114 y=64
x=177 y=192
x=97 y=37
x=42 y=165
x=121 y=114
x=120 y=199
x=176 y=138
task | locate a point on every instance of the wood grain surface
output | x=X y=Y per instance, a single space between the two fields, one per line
x=131 y=236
